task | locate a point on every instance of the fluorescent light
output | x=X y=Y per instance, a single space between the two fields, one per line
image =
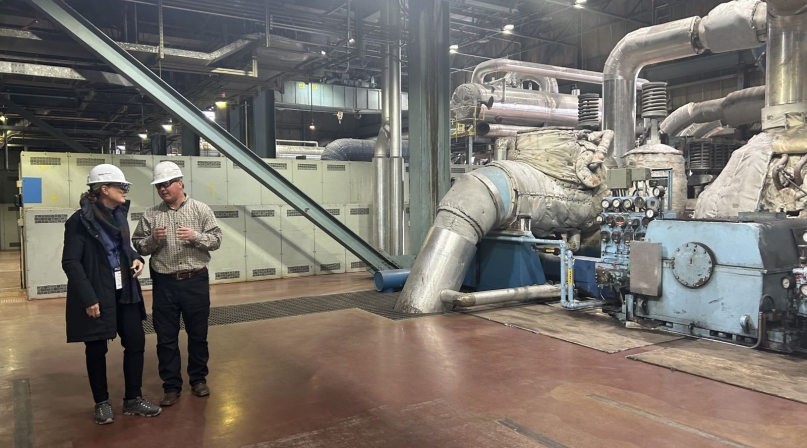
x=221 y=104
x=578 y=6
x=168 y=127
x=507 y=29
x=143 y=135
x=580 y=2
x=453 y=48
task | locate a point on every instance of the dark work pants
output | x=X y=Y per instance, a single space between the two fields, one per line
x=133 y=340
x=189 y=298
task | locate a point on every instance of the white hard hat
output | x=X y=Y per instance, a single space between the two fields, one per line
x=106 y=174
x=165 y=171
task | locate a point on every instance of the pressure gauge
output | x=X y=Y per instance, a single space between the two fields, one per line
x=600 y=219
x=615 y=203
x=627 y=204
x=650 y=213
x=609 y=220
x=803 y=289
x=620 y=221
x=605 y=204
x=804 y=237
x=616 y=236
x=787 y=282
x=639 y=202
x=628 y=238
x=634 y=223
x=658 y=191
x=605 y=237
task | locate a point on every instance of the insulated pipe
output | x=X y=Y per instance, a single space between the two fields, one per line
x=484 y=129
x=545 y=83
x=512 y=106
x=380 y=183
x=736 y=109
x=786 y=86
x=396 y=165
x=731 y=26
x=530 y=68
x=673 y=40
x=461 y=299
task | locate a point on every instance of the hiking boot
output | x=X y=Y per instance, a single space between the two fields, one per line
x=200 y=390
x=140 y=406
x=103 y=413
x=170 y=398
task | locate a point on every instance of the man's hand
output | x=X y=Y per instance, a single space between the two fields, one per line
x=137 y=267
x=186 y=234
x=160 y=233
x=94 y=311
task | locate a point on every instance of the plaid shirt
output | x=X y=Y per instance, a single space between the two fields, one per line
x=173 y=255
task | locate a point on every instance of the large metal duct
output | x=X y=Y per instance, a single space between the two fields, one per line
x=736 y=109
x=731 y=26
x=786 y=85
x=489 y=198
x=534 y=69
x=356 y=150
x=513 y=106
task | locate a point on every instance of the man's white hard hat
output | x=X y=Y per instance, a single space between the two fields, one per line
x=165 y=171
x=106 y=173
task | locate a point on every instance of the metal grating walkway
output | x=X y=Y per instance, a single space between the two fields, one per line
x=371 y=301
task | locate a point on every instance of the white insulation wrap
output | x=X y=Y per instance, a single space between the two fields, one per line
x=664 y=157
x=735 y=25
x=739 y=186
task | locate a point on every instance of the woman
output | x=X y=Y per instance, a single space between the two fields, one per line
x=103 y=294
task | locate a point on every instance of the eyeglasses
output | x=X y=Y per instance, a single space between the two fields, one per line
x=166 y=184
x=122 y=187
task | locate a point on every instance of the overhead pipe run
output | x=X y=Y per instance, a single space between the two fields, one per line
x=531 y=68
x=512 y=106
x=736 y=109
x=730 y=26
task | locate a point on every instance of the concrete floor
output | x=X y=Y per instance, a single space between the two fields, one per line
x=354 y=379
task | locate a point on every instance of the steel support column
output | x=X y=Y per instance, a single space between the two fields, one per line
x=159 y=145
x=263 y=125
x=235 y=121
x=76 y=26
x=34 y=120
x=429 y=94
x=190 y=142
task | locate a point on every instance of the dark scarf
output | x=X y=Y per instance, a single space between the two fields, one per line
x=113 y=224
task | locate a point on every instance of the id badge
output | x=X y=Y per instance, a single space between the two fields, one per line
x=118 y=279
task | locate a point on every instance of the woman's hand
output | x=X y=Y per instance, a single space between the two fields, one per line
x=137 y=268
x=94 y=311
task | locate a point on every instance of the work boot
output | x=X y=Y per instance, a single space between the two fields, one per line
x=103 y=413
x=200 y=390
x=140 y=406
x=169 y=398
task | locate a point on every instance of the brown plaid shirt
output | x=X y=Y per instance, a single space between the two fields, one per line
x=173 y=255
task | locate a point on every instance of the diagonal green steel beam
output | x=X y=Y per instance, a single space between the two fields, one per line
x=139 y=75
x=36 y=121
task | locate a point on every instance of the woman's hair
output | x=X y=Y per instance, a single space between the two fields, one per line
x=93 y=192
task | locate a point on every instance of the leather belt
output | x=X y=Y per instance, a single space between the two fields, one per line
x=188 y=274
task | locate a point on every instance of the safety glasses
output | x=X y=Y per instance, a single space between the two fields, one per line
x=165 y=184
x=122 y=187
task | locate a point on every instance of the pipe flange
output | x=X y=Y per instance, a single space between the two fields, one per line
x=777 y=116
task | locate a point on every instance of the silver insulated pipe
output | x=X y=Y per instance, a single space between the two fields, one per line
x=736 y=109
x=512 y=106
x=786 y=70
x=531 y=68
x=731 y=26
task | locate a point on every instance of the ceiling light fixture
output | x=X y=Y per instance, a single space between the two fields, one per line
x=351 y=41
x=168 y=126
x=311 y=103
x=221 y=104
x=323 y=53
x=507 y=29
x=3 y=118
x=579 y=3
x=453 y=48
x=144 y=134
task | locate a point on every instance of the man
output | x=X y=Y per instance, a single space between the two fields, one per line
x=179 y=234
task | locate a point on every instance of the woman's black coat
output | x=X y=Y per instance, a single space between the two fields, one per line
x=90 y=279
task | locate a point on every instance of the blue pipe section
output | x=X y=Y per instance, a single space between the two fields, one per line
x=499 y=179
x=389 y=281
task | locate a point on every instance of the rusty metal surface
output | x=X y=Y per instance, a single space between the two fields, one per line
x=693 y=265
